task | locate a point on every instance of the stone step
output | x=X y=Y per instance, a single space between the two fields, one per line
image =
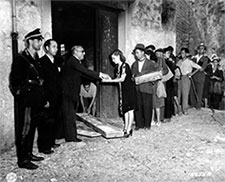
x=101 y=126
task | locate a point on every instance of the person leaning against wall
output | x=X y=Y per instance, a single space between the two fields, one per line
x=26 y=85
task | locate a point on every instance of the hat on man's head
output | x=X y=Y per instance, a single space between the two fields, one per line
x=140 y=47
x=215 y=57
x=202 y=45
x=159 y=50
x=35 y=34
x=170 y=48
x=152 y=47
x=149 y=52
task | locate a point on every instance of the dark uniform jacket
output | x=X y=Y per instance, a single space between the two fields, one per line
x=72 y=72
x=51 y=82
x=26 y=80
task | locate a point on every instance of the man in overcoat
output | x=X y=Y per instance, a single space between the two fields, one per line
x=72 y=72
x=26 y=85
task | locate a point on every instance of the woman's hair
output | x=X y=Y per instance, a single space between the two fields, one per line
x=118 y=52
x=185 y=50
x=151 y=55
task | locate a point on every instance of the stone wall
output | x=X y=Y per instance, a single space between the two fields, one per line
x=182 y=24
x=29 y=16
x=210 y=20
x=6 y=100
x=146 y=24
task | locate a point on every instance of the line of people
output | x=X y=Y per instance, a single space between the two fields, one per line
x=46 y=97
x=188 y=81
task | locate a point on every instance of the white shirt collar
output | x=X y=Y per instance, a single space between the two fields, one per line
x=140 y=65
x=77 y=58
x=51 y=58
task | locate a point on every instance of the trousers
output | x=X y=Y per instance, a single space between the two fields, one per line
x=69 y=108
x=26 y=121
x=143 y=115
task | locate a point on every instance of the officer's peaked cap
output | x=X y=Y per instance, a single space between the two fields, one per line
x=35 y=34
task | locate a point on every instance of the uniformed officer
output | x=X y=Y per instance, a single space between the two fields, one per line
x=26 y=86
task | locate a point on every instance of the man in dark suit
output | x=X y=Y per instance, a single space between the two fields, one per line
x=72 y=71
x=26 y=85
x=47 y=128
x=142 y=66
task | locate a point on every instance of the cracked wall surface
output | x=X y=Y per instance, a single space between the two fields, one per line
x=145 y=25
x=29 y=15
x=209 y=17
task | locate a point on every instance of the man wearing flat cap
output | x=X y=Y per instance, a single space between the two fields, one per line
x=144 y=91
x=26 y=86
x=196 y=91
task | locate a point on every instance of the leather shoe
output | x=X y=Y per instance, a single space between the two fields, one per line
x=33 y=157
x=27 y=165
x=74 y=140
x=136 y=128
x=47 y=151
x=56 y=145
x=77 y=140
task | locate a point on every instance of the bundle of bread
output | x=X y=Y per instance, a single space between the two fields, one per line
x=148 y=77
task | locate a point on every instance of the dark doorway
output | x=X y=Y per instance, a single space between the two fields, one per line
x=74 y=24
x=95 y=28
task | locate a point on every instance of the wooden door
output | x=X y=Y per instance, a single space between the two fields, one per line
x=107 y=41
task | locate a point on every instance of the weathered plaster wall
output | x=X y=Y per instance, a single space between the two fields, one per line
x=29 y=16
x=6 y=101
x=145 y=25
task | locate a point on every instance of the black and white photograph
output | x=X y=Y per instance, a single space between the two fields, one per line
x=112 y=91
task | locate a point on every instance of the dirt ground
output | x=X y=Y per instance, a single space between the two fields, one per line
x=189 y=148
